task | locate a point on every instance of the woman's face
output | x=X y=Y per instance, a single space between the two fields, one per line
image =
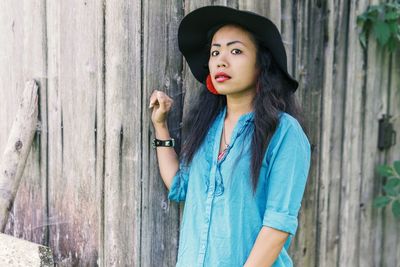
x=233 y=52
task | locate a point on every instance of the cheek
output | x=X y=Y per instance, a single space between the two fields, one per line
x=250 y=70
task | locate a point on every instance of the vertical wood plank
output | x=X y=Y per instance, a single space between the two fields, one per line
x=391 y=227
x=328 y=182
x=23 y=56
x=123 y=135
x=352 y=144
x=383 y=87
x=162 y=70
x=394 y=153
x=309 y=32
x=287 y=30
x=270 y=9
x=371 y=231
x=75 y=29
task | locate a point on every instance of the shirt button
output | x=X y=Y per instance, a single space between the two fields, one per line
x=207 y=220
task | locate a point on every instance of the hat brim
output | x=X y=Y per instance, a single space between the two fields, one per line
x=192 y=37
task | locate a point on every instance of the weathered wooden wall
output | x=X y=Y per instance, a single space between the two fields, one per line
x=91 y=189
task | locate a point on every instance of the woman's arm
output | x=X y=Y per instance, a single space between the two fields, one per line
x=168 y=162
x=267 y=247
x=167 y=158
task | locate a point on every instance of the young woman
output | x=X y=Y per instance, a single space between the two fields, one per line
x=243 y=168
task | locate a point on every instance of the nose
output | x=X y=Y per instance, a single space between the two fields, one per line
x=221 y=64
x=221 y=60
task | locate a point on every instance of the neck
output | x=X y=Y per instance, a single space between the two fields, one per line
x=237 y=105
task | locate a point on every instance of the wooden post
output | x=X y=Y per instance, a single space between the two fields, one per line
x=17 y=150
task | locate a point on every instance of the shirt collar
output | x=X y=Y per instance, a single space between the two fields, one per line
x=243 y=118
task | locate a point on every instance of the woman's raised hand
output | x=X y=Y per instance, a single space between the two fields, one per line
x=161 y=104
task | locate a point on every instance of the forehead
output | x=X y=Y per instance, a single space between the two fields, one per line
x=230 y=32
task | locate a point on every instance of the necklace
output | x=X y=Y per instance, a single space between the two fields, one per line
x=222 y=153
x=223 y=132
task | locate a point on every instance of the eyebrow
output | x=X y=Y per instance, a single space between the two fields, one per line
x=233 y=42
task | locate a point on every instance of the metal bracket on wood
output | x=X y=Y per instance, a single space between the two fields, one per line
x=386 y=134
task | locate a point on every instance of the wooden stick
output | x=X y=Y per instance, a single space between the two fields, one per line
x=15 y=252
x=17 y=150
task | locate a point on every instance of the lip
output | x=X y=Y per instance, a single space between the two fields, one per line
x=221 y=76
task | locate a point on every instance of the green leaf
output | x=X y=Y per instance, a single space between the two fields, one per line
x=381 y=31
x=361 y=19
x=381 y=201
x=390 y=187
x=396 y=165
x=393 y=28
x=385 y=170
x=396 y=208
x=392 y=16
x=373 y=16
x=393 y=182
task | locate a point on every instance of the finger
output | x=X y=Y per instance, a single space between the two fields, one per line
x=153 y=98
x=152 y=103
x=163 y=102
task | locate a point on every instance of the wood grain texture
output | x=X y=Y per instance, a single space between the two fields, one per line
x=394 y=153
x=352 y=143
x=391 y=246
x=162 y=70
x=75 y=74
x=123 y=158
x=91 y=189
x=23 y=57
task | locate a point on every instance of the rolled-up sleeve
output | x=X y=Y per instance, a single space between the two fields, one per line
x=286 y=181
x=178 y=189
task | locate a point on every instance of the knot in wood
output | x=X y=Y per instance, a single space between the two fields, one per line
x=18 y=145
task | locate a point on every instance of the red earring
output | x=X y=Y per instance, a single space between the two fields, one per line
x=210 y=85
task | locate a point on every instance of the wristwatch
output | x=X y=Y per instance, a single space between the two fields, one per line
x=165 y=143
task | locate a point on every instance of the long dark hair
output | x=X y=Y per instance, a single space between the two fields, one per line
x=274 y=95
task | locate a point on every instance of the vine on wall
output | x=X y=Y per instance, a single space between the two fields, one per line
x=391 y=188
x=384 y=22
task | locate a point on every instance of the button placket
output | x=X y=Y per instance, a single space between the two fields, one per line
x=214 y=181
x=239 y=129
x=205 y=229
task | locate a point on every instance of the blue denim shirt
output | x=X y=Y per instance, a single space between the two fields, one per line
x=221 y=218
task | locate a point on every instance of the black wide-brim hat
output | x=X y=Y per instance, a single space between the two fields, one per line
x=193 y=29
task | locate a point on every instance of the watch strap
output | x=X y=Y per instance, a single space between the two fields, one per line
x=164 y=143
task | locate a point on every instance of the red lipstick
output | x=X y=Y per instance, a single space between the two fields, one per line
x=221 y=76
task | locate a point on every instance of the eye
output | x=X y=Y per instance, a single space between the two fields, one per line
x=238 y=51
x=213 y=53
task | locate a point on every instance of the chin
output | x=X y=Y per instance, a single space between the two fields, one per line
x=228 y=91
